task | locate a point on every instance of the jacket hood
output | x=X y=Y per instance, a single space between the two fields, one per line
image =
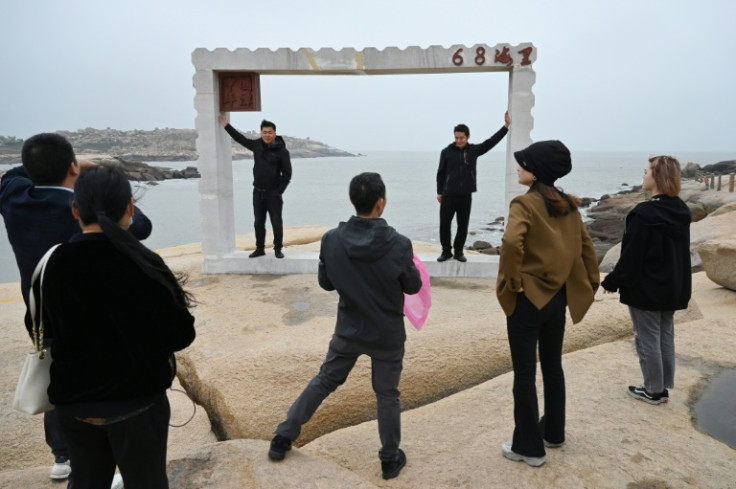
x=670 y=214
x=366 y=239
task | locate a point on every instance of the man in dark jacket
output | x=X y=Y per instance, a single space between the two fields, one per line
x=371 y=266
x=35 y=202
x=271 y=176
x=456 y=182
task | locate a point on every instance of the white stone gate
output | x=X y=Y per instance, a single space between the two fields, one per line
x=213 y=144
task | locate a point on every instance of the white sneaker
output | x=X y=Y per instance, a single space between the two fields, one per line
x=512 y=455
x=117 y=482
x=61 y=469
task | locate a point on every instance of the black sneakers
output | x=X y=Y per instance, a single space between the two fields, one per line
x=279 y=446
x=392 y=469
x=258 y=252
x=460 y=257
x=278 y=254
x=642 y=394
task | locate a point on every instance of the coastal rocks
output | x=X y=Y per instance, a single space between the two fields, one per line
x=719 y=261
x=721 y=168
x=720 y=224
x=279 y=346
x=142 y=172
x=484 y=247
x=242 y=464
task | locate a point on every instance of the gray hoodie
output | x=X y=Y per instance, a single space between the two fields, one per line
x=371 y=266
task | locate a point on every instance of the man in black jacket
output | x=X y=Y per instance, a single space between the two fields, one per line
x=456 y=182
x=371 y=266
x=35 y=202
x=271 y=176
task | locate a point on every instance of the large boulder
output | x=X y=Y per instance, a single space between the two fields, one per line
x=721 y=168
x=719 y=261
x=720 y=224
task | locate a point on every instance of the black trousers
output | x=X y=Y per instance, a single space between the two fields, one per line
x=137 y=445
x=527 y=327
x=268 y=201
x=450 y=206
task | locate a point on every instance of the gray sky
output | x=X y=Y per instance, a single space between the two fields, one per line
x=653 y=76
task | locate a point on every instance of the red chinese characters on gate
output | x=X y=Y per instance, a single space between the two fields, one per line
x=502 y=57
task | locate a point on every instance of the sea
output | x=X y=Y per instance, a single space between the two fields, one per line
x=318 y=194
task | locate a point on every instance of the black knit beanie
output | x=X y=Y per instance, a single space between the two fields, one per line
x=547 y=160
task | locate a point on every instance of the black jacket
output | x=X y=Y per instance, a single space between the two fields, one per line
x=271 y=164
x=114 y=328
x=654 y=271
x=456 y=174
x=37 y=218
x=371 y=266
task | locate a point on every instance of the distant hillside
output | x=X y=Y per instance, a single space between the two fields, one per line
x=158 y=145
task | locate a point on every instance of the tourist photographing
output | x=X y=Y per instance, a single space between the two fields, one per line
x=271 y=176
x=653 y=276
x=456 y=182
x=35 y=202
x=117 y=314
x=371 y=266
x=547 y=263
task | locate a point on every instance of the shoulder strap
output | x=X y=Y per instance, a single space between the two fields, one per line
x=37 y=312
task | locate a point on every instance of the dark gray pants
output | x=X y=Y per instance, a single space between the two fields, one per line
x=654 y=336
x=386 y=366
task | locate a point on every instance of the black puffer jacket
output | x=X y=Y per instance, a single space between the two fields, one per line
x=456 y=174
x=654 y=271
x=271 y=164
x=371 y=266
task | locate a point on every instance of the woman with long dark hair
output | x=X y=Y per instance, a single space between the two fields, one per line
x=547 y=263
x=117 y=314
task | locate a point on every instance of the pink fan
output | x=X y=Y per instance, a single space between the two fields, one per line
x=416 y=306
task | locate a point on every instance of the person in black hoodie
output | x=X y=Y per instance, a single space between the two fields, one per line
x=371 y=266
x=271 y=176
x=456 y=182
x=653 y=275
x=117 y=314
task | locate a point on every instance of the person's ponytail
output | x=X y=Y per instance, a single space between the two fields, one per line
x=102 y=195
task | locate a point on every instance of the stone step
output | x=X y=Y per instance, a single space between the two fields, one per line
x=477 y=266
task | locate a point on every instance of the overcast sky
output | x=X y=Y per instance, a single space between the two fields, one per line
x=655 y=76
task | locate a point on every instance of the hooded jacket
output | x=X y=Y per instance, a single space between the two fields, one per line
x=371 y=267
x=456 y=174
x=271 y=163
x=37 y=218
x=653 y=272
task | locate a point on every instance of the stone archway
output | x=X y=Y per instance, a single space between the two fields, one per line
x=213 y=145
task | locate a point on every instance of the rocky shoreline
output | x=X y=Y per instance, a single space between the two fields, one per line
x=608 y=214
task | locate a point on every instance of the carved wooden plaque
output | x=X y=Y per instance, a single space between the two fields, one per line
x=240 y=92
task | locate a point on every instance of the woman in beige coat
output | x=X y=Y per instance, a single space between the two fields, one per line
x=547 y=263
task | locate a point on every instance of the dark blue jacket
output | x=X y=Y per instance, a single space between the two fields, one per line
x=457 y=174
x=36 y=218
x=371 y=266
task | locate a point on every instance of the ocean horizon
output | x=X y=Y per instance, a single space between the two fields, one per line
x=318 y=194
